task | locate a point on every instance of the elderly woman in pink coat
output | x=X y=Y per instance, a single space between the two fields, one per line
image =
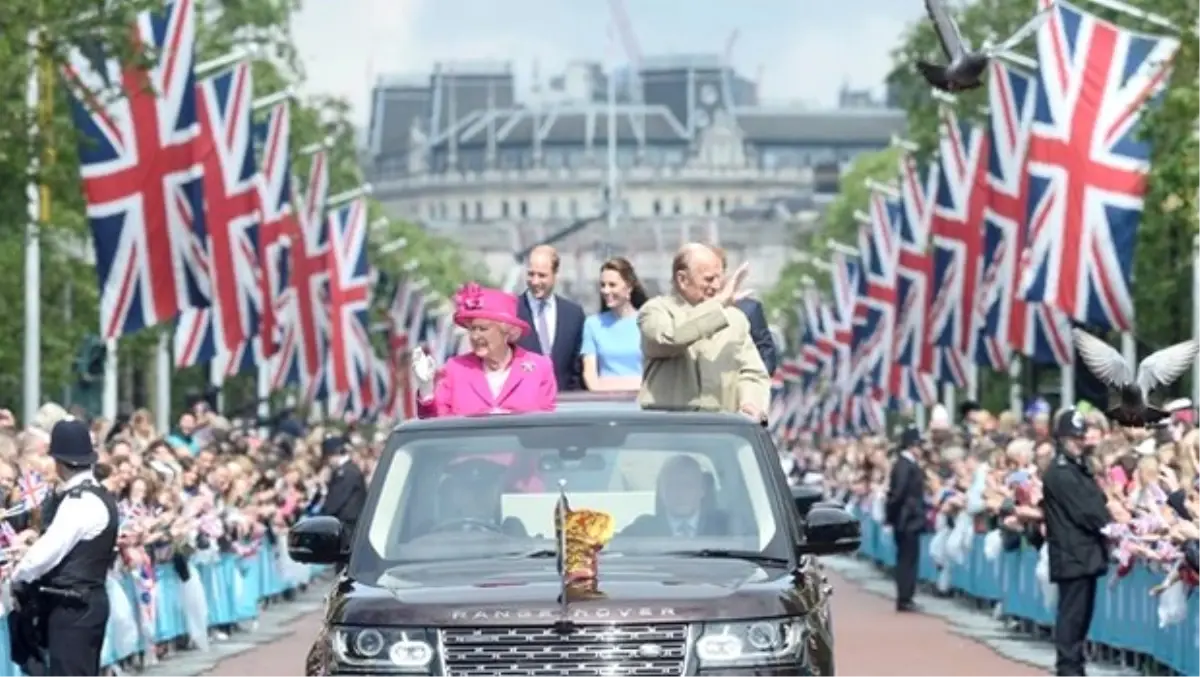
x=497 y=376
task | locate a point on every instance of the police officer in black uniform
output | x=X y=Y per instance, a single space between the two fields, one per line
x=347 y=487
x=905 y=513
x=1075 y=511
x=66 y=567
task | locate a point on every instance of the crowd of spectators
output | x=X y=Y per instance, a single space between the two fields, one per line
x=983 y=476
x=210 y=487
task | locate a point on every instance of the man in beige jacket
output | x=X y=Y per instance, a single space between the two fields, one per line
x=696 y=346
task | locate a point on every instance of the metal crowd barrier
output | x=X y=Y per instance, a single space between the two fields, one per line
x=228 y=602
x=1126 y=616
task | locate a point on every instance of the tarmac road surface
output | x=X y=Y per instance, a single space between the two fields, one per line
x=872 y=639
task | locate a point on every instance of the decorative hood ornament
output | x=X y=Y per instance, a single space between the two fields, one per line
x=580 y=536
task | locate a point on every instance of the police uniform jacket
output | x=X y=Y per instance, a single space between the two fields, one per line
x=78 y=543
x=1075 y=511
x=346 y=495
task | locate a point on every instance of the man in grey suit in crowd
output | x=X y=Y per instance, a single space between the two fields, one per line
x=760 y=331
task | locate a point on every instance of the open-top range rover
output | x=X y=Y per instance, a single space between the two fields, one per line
x=591 y=542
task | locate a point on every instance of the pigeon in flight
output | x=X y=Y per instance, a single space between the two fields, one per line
x=966 y=68
x=1129 y=401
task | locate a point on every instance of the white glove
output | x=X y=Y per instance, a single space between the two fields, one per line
x=423 y=369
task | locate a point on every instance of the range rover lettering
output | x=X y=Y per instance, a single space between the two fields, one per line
x=591 y=542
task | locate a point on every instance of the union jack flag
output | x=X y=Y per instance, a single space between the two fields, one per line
x=844 y=277
x=956 y=237
x=1040 y=332
x=139 y=162
x=308 y=313
x=352 y=360
x=911 y=377
x=878 y=242
x=280 y=229
x=32 y=490
x=231 y=210
x=1087 y=165
x=817 y=352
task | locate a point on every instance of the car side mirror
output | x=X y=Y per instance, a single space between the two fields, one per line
x=316 y=540
x=805 y=497
x=830 y=530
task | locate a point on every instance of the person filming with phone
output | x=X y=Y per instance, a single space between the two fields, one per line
x=696 y=345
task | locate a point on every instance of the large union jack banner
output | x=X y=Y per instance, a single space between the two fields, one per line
x=280 y=229
x=231 y=211
x=1087 y=166
x=352 y=360
x=142 y=176
x=956 y=238
x=1037 y=331
x=876 y=309
x=308 y=277
x=911 y=377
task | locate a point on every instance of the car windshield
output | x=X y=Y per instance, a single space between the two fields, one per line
x=486 y=492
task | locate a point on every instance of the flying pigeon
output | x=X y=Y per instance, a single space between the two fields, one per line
x=1129 y=402
x=965 y=69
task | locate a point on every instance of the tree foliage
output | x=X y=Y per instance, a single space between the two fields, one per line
x=69 y=296
x=838 y=224
x=1163 y=264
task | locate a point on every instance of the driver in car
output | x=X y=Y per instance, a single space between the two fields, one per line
x=685 y=507
x=470 y=499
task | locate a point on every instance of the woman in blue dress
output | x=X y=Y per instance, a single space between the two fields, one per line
x=612 y=343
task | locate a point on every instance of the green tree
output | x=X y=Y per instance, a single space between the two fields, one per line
x=838 y=224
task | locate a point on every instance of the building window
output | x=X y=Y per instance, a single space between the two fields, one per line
x=573 y=208
x=657 y=208
x=553 y=208
x=504 y=209
x=677 y=207
x=523 y=207
x=462 y=211
x=478 y=210
x=721 y=206
x=708 y=205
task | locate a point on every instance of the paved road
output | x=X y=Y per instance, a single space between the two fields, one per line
x=871 y=640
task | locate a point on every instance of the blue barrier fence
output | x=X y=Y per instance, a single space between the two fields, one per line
x=1126 y=614
x=228 y=601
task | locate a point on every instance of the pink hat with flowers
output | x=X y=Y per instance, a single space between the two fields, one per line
x=473 y=302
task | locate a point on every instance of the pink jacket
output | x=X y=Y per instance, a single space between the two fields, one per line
x=462 y=388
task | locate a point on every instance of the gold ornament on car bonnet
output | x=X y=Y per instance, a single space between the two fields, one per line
x=586 y=534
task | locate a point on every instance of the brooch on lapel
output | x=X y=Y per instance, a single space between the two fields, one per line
x=527 y=366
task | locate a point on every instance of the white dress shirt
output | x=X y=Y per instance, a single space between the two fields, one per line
x=497 y=379
x=551 y=310
x=78 y=519
x=688 y=526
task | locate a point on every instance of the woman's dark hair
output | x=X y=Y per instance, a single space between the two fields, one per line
x=622 y=267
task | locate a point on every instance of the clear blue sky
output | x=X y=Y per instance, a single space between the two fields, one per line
x=805 y=49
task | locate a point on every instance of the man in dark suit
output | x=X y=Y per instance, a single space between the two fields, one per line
x=760 y=331
x=347 y=491
x=905 y=514
x=556 y=321
x=684 y=505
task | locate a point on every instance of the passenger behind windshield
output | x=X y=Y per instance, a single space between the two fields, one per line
x=688 y=506
x=448 y=497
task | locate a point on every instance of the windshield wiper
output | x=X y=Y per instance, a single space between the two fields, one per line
x=719 y=553
x=544 y=553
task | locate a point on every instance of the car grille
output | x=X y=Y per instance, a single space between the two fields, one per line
x=634 y=650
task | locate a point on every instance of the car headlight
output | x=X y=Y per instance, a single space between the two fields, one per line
x=391 y=650
x=767 y=641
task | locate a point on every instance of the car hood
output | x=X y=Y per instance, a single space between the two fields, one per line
x=523 y=591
